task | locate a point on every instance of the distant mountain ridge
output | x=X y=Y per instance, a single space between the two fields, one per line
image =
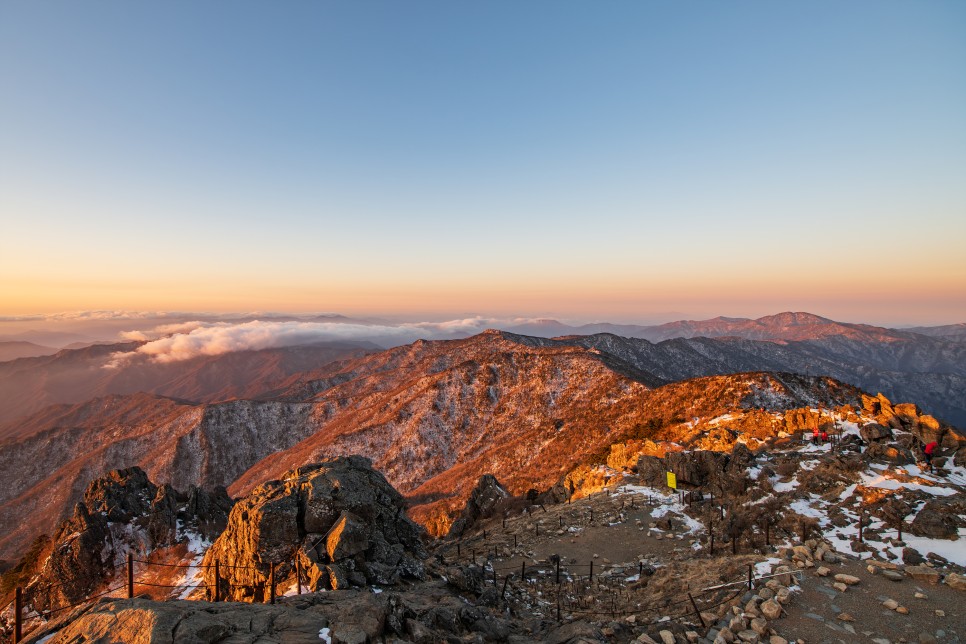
x=12 y=350
x=785 y=326
x=72 y=376
x=433 y=416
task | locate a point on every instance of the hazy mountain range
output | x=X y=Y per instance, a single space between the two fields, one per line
x=212 y=363
x=433 y=415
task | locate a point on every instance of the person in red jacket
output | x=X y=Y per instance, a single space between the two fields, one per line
x=929 y=451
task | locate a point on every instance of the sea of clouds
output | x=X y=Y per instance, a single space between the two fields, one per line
x=186 y=340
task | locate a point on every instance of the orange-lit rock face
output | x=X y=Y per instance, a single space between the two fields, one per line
x=872 y=495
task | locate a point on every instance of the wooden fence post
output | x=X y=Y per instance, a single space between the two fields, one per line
x=271 y=582
x=298 y=577
x=696 y=611
x=130 y=575
x=18 y=616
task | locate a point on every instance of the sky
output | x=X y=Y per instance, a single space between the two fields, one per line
x=621 y=161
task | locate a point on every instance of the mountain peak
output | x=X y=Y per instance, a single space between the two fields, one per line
x=797 y=318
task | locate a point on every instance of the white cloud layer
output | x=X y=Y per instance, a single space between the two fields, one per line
x=188 y=340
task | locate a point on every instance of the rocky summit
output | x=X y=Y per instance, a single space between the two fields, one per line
x=798 y=507
x=335 y=524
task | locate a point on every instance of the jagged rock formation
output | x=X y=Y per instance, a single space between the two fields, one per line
x=484 y=498
x=121 y=512
x=340 y=519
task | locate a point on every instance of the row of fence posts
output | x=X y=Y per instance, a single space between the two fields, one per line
x=131 y=583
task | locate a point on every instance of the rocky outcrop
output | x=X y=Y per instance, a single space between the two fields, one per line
x=122 y=512
x=339 y=522
x=936 y=519
x=696 y=468
x=426 y=614
x=484 y=499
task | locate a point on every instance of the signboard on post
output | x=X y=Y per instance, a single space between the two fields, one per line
x=672 y=481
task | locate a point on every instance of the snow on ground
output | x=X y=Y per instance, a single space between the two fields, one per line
x=807 y=508
x=954 y=551
x=764 y=567
x=886 y=483
x=194 y=575
x=784 y=486
x=668 y=503
x=881 y=476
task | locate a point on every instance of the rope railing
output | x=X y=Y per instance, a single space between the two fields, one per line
x=609 y=586
x=562 y=575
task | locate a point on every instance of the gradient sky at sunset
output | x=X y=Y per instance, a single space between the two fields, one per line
x=612 y=160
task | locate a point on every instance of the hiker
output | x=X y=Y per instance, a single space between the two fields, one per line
x=815 y=436
x=929 y=451
x=824 y=435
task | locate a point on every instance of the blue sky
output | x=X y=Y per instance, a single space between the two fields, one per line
x=583 y=160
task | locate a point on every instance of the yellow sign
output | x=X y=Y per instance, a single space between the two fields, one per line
x=672 y=480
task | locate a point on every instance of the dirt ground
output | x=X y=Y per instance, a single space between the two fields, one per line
x=622 y=533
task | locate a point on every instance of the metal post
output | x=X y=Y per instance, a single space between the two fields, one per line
x=523 y=571
x=558 y=571
x=640 y=570
x=130 y=575
x=591 y=578
x=484 y=534
x=18 y=616
x=217 y=583
x=860 y=528
x=592 y=515
x=272 y=582
x=505 y=582
x=751 y=573
x=494 y=576
x=514 y=541
x=458 y=555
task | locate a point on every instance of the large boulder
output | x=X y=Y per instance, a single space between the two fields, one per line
x=936 y=520
x=486 y=495
x=874 y=432
x=340 y=520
